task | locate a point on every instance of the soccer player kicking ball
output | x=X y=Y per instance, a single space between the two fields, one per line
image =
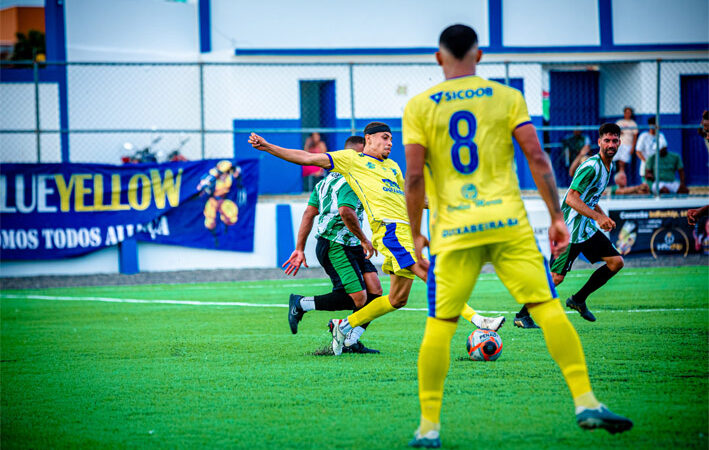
x=459 y=151
x=377 y=181
x=341 y=247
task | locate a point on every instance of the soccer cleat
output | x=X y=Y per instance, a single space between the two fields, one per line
x=525 y=322
x=602 y=417
x=358 y=347
x=581 y=308
x=432 y=439
x=338 y=337
x=295 y=312
x=490 y=323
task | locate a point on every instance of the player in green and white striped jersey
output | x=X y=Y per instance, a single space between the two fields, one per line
x=584 y=217
x=327 y=196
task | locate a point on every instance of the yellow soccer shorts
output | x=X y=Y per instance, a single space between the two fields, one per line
x=519 y=264
x=394 y=242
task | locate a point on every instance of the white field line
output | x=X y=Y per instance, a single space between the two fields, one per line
x=384 y=281
x=274 y=305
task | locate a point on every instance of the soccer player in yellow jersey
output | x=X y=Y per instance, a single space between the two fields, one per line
x=378 y=183
x=459 y=151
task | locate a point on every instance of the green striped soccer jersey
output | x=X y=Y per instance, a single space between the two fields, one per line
x=329 y=194
x=590 y=180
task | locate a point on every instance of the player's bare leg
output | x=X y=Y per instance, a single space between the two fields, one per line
x=398 y=296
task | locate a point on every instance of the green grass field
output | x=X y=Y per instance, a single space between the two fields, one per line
x=95 y=374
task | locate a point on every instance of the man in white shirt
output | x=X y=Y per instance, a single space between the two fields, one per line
x=647 y=144
x=628 y=139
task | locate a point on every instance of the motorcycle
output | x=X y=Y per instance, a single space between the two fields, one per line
x=144 y=155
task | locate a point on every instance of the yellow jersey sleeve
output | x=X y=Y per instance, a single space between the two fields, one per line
x=518 y=113
x=341 y=160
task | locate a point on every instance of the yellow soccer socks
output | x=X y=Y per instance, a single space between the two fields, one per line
x=468 y=313
x=376 y=308
x=565 y=347
x=433 y=363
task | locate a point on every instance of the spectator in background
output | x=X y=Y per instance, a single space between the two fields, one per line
x=704 y=129
x=647 y=144
x=580 y=158
x=313 y=174
x=621 y=186
x=628 y=139
x=669 y=164
x=573 y=145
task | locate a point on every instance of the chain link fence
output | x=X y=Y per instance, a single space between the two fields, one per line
x=113 y=112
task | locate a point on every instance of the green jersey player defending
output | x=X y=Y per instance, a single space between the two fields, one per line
x=584 y=217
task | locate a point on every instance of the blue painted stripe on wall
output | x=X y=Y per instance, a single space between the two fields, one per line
x=494 y=10
x=49 y=74
x=205 y=26
x=289 y=175
x=275 y=175
x=285 y=242
x=488 y=49
x=334 y=51
x=56 y=51
x=605 y=19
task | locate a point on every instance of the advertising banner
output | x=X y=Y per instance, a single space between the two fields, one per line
x=657 y=231
x=51 y=211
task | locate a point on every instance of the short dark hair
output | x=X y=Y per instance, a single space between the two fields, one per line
x=371 y=125
x=352 y=141
x=609 y=128
x=651 y=120
x=458 y=39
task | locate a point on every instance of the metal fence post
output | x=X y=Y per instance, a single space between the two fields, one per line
x=656 y=169
x=201 y=106
x=507 y=73
x=353 y=127
x=35 y=70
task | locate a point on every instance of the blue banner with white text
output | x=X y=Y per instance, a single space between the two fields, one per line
x=51 y=211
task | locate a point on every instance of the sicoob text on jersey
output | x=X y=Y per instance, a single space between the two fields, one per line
x=462 y=94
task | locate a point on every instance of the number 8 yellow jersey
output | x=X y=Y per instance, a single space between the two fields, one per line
x=466 y=126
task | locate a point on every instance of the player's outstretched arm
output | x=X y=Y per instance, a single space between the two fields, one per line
x=415 y=189
x=349 y=218
x=292 y=265
x=300 y=157
x=526 y=137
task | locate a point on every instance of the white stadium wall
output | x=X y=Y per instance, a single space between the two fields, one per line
x=325 y=24
x=654 y=21
x=554 y=23
x=131 y=30
x=155 y=30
